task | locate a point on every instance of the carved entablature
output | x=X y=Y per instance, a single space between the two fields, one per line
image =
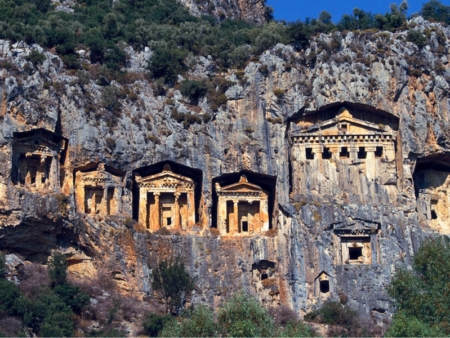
x=98 y=190
x=36 y=159
x=357 y=242
x=242 y=208
x=166 y=200
x=344 y=136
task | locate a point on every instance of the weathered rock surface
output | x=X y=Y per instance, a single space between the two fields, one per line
x=252 y=132
x=254 y=11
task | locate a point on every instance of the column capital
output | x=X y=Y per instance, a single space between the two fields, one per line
x=177 y=195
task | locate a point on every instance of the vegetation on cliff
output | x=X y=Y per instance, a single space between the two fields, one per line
x=106 y=27
x=422 y=295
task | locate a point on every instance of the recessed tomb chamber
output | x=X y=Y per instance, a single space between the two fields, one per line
x=432 y=187
x=242 y=207
x=36 y=159
x=167 y=198
x=342 y=149
x=98 y=189
x=357 y=243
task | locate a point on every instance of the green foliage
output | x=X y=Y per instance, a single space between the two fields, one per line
x=154 y=323
x=72 y=296
x=409 y=326
x=423 y=295
x=167 y=63
x=193 y=89
x=199 y=323
x=35 y=57
x=9 y=292
x=243 y=316
x=434 y=10
x=47 y=313
x=173 y=282
x=57 y=267
x=296 y=328
x=416 y=36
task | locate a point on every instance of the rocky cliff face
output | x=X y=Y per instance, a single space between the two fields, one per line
x=341 y=220
x=254 y=11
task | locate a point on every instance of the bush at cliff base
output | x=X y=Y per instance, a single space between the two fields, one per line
x=422 y=296
x=198 y=323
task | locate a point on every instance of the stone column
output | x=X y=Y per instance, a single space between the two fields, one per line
x=176 y=221
x=53 y=176
x=334 y=149
x=371 y=163
x=234 y=228
x=353 y=150
x=143 y=216
x=104 y=206
x=389 y=151
x=264 y=214
x=221 y=215
x=191 y=208
x=156 y=224
x=80 y=197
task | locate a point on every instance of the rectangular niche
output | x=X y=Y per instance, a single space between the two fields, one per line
x=356 y=250
x=248 y=214
x=344 y=153
x=93 y=200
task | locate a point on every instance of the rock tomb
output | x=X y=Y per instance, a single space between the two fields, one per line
x=166 y=200
x=98 y=190
x=36 y=159
x=242 y=208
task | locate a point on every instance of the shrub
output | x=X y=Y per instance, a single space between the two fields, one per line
x=154 y=323
x=57 y=269
x=9 y=292
x=243 y=316
x=422 y=295
x=167 y=63
x=193 y=90
x=35 y=57
x=297 y=328
x=2 y=267
x=72 y=296
x=199 y=323
x=173 y=282
x=415 y=36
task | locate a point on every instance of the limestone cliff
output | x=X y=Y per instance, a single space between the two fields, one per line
x=254 y=11
x=350 y=145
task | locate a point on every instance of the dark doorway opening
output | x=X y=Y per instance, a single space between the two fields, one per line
x=326 y=155
x=344 y=153
x=169 y=221
x=244 y=226
x=362 y=154
x=324 y=286
x=354 y=253
x=309 y=154
x=433 y=214
x=378 y=152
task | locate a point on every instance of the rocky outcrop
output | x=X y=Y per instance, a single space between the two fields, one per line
x=352 y=218
x=253 y=11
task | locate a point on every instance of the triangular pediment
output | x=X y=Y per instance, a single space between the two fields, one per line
x=345 y=124
x=165 y=177
x=242 y=187
x=356 y=228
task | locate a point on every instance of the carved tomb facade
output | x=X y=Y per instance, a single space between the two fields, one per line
x=242 y=208
x=344 y=153
x=36 y=159
x=166 y=200
x=98 y=191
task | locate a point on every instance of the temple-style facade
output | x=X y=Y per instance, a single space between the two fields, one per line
x=36 y=159
x=242 y=208
x=98 y=191
x=166 y=200
x=357 y=243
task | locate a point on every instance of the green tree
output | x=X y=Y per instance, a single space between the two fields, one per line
x=9 y=292
x=57 y=269
x=198 y=323
x=422 y=296
x=243 y=316
x=173 y=282
x=154 y=323
x=2 y=267
x=167 y=63
x=193 y=89
x=434 y=10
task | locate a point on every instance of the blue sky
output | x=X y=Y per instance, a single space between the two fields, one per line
x=292 y=10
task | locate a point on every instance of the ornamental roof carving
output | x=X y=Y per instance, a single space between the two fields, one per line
x=165 y=180
x=242 y=188
x=356 y=228
x=100 y=176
